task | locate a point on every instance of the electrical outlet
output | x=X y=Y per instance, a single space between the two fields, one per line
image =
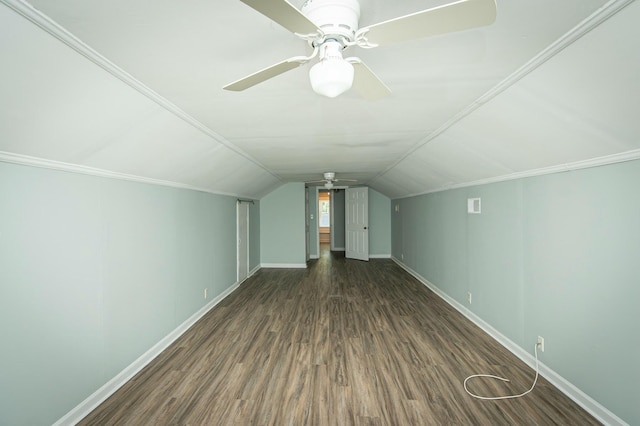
x=205 y=293
x=469 y=297
x=541 y=343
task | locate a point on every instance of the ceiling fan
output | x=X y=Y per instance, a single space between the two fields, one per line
x=331 y=26
x=330 y=179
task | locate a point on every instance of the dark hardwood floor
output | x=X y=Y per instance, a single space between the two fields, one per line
x=342 y=343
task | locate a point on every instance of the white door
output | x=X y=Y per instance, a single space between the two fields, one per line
x=306 y=223
x=243 y=241
x=357 y=223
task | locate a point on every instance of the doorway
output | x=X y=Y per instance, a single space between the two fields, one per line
x=324 y=217
x=329 y=231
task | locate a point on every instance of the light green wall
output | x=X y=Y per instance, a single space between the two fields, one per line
x=282 y=223
x=93 y=273
x=556 y=256
x=379 y=224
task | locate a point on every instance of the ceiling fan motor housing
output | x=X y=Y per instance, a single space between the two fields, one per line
x=334 y=17
x=329 y=176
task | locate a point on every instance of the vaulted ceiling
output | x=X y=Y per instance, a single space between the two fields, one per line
x=133 y=88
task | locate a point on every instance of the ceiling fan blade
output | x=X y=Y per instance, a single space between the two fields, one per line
x=263 y=75
x=366 y=83
x=456 y=16
x=345 y=180
x=285 y=14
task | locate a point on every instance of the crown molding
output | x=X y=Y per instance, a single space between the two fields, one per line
x=25 y=160
x=592 y=21
x=53 y=28
x=560 y=168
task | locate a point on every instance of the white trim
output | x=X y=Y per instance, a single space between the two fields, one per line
x=43 y=163
x=379 y=256
x=596 y=18
x=284 y=265
x=307 y=234
x=314 y=256
x=240 y=205
x=593 y=407
x=53 y=28
x=560 y=168
x=99 y=396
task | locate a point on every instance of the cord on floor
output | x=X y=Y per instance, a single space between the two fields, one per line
x=535 y=349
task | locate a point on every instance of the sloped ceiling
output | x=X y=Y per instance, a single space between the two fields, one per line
x=135 y=87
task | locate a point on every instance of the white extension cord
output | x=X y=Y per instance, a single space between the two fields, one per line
x=535 y=349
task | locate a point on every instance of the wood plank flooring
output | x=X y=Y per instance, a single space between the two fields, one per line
x=342 y=343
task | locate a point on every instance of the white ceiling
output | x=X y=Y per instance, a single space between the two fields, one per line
x=135 y=87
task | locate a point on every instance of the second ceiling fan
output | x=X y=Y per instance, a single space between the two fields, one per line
x=330 y=179
x=331 y=26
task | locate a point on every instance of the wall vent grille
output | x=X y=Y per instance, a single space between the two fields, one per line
x=473 y=206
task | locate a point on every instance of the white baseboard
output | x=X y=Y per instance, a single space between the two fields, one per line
x=314 y=256
x=284 y=265
x=338 y=249
x=250 y=273
x=253 y=271
x=99 y=396
x=596 y=409
x=379 y=256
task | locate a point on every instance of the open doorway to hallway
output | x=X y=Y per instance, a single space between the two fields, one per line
x=324 y=217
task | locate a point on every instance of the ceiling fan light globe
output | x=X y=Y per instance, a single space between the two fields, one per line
x=328 y=185
x=331 y=77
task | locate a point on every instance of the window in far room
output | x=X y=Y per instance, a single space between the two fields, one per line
x=325 y=213
x=324 y=216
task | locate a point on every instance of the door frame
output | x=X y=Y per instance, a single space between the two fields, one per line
x=316 y=213
x=241 y=206
x=307 y=235
x=317 y=209
x=330 y=192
